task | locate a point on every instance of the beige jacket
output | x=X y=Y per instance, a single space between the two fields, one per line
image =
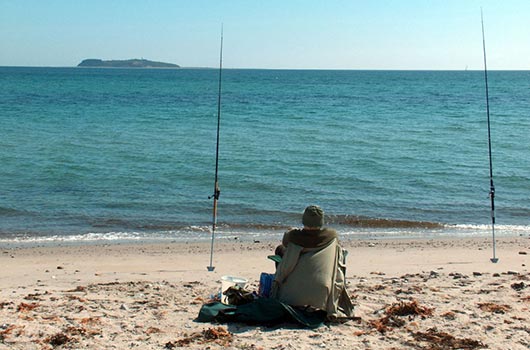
x=314 y=277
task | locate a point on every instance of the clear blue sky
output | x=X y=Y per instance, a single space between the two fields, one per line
x=325 y=34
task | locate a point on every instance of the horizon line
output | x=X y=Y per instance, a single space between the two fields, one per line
x=299 y=69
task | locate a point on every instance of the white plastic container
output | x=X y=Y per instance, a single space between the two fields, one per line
x=231 y=281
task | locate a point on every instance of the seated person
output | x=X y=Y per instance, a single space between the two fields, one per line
x=313 y=267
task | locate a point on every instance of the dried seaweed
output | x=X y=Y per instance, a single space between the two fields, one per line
x=449 y=315
x=58 y=339
x=25 y=307
x=75 y=297
x=90 y=320
x=153 y=330
x=519 y=286
x=387 y=323
x=35 y=296
x=395 y=311
x=4 y=304
x=77 y=289
x=70 y=334
x=71 y=330
x=495 y=308
x=408 y=309
x=5 y=332
x=445 y=341
x=219 y=335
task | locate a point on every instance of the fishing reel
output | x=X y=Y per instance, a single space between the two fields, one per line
x=216 y=194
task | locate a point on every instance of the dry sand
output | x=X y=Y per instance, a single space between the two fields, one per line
x=409 y=294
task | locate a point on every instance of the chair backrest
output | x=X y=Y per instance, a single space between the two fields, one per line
x=314 y=277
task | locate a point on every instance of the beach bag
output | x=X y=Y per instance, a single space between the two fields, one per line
x=238 y=296
x=265 y=284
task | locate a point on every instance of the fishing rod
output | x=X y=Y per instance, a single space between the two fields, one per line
x=494 y=259
x=216 y=190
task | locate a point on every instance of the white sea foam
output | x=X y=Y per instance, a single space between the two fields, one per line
x=203 y=233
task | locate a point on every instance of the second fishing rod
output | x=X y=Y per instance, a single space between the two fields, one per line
x=216 y=190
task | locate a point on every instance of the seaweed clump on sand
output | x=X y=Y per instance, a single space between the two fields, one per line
x=494 y=308
x=394 y=312
x=444 y=341
x=219 y=335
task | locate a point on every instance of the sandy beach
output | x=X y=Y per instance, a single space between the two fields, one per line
x=409 y=294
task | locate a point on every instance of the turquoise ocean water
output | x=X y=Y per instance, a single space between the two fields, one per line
x=91 y=154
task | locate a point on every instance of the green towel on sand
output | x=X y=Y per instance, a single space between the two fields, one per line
x=265 y=311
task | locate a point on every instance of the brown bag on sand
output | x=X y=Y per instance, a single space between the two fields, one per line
x=238 y=296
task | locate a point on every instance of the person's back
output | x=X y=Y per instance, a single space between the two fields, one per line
x=312 y=270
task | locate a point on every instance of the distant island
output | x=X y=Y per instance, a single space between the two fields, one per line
x=132 y=63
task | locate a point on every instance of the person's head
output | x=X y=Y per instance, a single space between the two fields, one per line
x=313 y=217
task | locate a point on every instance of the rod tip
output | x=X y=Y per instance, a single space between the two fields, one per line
x=494 y=260
x=210 y=268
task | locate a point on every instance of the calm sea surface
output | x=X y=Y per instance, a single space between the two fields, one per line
x=88 y=154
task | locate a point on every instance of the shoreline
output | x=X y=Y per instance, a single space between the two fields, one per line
x=228 y=235
x=148 y=295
